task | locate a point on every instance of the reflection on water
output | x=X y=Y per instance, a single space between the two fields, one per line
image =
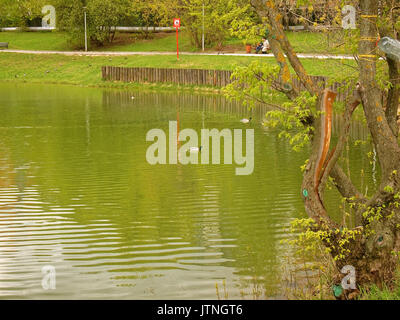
x=77 y=193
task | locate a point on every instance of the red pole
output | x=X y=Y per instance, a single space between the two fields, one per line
x=177 y=43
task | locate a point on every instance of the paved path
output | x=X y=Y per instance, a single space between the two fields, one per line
x=128 y=53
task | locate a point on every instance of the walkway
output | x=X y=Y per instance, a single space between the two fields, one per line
x=154 y=53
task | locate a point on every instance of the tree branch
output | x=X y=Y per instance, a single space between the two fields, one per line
x=393 y=96
x=275 y=18
x=389 y=30
x=385 y=141
x=337 y=151
x=284 y=73
x=286 y=84
x=344 y=184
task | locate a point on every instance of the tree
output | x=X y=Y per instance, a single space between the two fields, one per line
x=219 y=15
x=372 y=243
x=20 y=13
x=153 y=13
x=307 y=12
x=102 y=18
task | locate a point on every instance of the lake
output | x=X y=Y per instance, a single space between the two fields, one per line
x=77 y=194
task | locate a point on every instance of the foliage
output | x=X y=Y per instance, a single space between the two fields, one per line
x=291 y=120
x=219 y=15
x=249 y=28
x=20 y=13
x=155 y=12
x=310 y=237
x=102 y=16
x=252 y=80
x=70 y=17
x=249 y=33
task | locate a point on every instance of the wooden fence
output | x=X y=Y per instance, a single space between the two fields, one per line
x=215 y=78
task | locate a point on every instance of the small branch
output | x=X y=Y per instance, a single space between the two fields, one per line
x=278 y=86
x=300 y=16
x=264 y=102
x=344 y=184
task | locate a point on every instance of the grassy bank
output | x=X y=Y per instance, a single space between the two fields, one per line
x=303 y=42
x=83 y=70
x=36 y=40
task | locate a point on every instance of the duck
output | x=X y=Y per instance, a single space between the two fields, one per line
x=246 y=121
x=195 y=149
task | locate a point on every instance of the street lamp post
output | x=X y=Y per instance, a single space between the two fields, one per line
x=202 y=38
x=86 y=43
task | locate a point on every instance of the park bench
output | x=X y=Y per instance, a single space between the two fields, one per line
x=4 y=45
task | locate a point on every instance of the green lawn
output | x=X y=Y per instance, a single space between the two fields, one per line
x=317 y=42
x=83 y=70
x=58 y=41
x=303 y=42
x=36 y=40
x=165 y=42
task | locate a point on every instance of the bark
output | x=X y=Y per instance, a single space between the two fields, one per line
x=393 y=96
x=385 y=141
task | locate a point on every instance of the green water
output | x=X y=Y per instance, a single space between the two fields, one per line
x=77 y=193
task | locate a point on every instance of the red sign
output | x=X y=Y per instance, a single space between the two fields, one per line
x=177 y=23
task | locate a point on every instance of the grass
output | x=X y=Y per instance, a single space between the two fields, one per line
x=374 y=293
x=59 y=41
x=80 y=70
x=317 y=42
x=165 y=42
x=303 y=42
x=36 y=40
x=85 y=70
